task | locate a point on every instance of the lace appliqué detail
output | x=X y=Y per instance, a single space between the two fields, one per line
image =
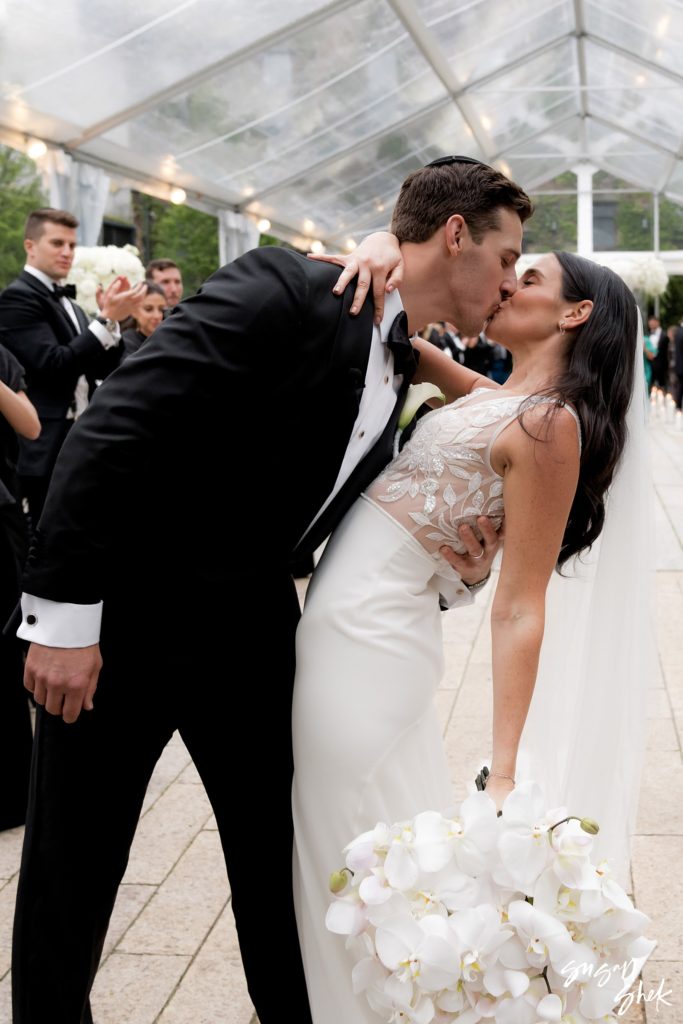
x=443 y=478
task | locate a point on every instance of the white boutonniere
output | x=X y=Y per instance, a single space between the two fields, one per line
x=417 y=395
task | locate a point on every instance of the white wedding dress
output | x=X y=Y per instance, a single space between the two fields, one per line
x=367 y=742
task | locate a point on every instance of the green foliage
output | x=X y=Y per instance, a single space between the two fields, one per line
x=179 y=233
x=670 y=225
x=20 y=192
x=671 y=303
x=553 y=225
x=634 y=220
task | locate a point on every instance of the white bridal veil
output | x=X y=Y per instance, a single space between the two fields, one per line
x=584 y=740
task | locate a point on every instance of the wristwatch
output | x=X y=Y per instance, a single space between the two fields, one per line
x=111 y=325
x=474 y=587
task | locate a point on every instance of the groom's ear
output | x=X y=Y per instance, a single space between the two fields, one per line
x=455 y=231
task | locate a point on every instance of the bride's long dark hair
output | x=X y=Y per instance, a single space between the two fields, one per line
x=598 y=383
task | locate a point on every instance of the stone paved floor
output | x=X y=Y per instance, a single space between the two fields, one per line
x=172 y=956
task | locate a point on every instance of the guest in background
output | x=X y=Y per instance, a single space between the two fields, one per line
x=501 y=363
x=167 y=274
x=649 y=356
x=678 y=364
x=17 y=416
x=149 y=315
x=446 y=337
x=660 y=363
x=54 y=341
x=477 y=354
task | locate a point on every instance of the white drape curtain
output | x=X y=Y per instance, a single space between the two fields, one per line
x=237 y=234
x=79 y=188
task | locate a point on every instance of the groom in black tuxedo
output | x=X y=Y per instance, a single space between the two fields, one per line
x=237 y=436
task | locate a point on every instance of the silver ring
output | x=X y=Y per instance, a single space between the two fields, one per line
x=480 y=555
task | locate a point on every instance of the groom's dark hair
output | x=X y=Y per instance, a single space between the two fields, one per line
x=430 y=196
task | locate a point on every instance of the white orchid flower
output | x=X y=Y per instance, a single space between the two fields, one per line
x=423 y=952
x=480 y=934
x=550 y=1008
x=346 y=916
x=366 y=973
x=500 y=981
x=453 y=889
x=546 y=940
x=363 y=853
x=467 y=839
x=600 y=994
x=374 y=887
x=571 y=862
x=387 y=1005
x=523 y=846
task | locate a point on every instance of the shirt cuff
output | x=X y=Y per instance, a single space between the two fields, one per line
x=58 y=623
x=453 y=595
x=108 y=339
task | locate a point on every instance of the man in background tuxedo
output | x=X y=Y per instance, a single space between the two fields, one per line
x=54 y=341
x=167 y=275
x=660 y=363
x=262 y=401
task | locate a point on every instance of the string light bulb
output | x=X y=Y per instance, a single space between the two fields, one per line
x=264 y=225
x=36 y=148
x=178 y=196
x=317 y=246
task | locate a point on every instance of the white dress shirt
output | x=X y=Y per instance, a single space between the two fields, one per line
x=108 y=339
x=56 y=624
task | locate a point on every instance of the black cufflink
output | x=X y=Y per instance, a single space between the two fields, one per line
x=31 y=620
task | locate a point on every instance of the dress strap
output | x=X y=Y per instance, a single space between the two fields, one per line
x=505 y=421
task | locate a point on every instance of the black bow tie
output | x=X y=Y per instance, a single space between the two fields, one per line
x=404 y=354
x=68 y=291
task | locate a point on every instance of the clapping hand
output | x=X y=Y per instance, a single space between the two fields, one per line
x=120 y=300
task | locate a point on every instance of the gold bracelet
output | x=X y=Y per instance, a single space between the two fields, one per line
x=499 y=775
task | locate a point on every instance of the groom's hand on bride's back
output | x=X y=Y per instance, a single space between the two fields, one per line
x=475 y=565
x=63 y=679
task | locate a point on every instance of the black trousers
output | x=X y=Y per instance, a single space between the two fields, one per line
x=15 y=718
x=89 y=779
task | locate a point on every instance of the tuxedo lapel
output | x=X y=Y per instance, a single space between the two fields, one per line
x=364 y=473
x=80 y=316
x=54 y=309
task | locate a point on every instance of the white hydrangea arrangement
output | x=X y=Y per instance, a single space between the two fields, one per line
x=642 y=272
x=482 y=917
x=99 y=265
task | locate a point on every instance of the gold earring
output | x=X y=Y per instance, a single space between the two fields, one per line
x=561 y=326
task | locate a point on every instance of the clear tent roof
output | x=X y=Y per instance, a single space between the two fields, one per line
x=311 y=113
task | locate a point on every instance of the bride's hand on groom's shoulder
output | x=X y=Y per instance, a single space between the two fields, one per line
x=475 y=565
x=377 y=261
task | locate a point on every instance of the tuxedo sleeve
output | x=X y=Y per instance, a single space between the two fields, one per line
x=223 y=345
x=33 y=341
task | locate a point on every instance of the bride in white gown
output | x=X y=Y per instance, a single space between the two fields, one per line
x=542 y=451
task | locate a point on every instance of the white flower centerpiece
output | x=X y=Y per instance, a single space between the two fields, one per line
x=486 y=918
x=99 y=265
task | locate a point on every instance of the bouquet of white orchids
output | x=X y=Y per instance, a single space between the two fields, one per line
x=481 y=917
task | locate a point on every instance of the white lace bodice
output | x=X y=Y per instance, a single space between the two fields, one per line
x=443 y=477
